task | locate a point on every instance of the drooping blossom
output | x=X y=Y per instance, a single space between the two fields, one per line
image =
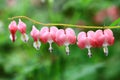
x=35 y=35
x=13 y=28
x=86 y=40
x=100 y=16
x=99 y=38
x=48 y=35
x=113 y=12
x=104 y=38
x=65 y=37
x=22 y=29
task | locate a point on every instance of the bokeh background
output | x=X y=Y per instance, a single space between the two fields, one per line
x=20 y=61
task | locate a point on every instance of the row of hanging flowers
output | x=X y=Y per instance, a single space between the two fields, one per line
x=63 y=37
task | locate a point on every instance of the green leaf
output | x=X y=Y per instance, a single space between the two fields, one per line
x=116 y=22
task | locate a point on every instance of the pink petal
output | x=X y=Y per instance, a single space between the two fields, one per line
x=60 y=37
x=99 y=38
x=35 y=33
x=81 y=40
x=90 y=37
x=53 y=31
x=44 y=37
x=44 y=29
x=13 y=28
x=70 y=35
x=21 y=26
x=44 y=34
x=109 y=38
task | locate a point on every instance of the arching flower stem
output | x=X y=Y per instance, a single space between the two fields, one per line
x=65 y=25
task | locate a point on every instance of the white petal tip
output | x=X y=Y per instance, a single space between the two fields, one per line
x=50 y=46
x=37 y=45
x=24 y=38
x=89 y=53
x=67 y=49
x=13 y=38
x=105 y=49
x=51 y=50
x=68 y=53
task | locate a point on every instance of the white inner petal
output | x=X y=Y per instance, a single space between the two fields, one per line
x=67 y=48
x=24 y=37
x=11 y=38
x=37 y=45
x=105 y=48
x=50 y=46
x=89 y=51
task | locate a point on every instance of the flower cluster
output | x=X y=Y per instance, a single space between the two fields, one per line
x=99 y=38
x=13 y=27
x=53 y=34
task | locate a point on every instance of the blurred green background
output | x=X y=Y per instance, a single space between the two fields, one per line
x=20 y=61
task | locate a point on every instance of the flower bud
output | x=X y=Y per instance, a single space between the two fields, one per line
x=65 y=37
x=48 y=35
x=22 y=29
x=86 y=40
x=13 y=28
x=35 y=35
x=104 y=38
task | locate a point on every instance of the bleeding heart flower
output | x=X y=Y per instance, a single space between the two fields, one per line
x=86 y=40
x=13 y=28
x=35 y=35
x=100 y=16
x=109 y=40
x=48 y=35
x=113 y=12
x=104 y=38
x=22 y=29
x=65 y=37
x=99 y=38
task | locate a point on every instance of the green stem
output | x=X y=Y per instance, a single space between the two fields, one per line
x=65 y=25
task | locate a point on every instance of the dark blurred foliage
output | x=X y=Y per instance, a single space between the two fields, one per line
x=20 y=61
